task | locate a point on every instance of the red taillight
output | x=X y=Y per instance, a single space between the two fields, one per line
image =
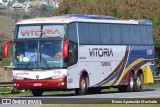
x=65 y=48
x=6 y=48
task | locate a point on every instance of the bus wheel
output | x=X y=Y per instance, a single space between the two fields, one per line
x=37 y=92
x=139 y=82
x=83 y=87
x=131 y=84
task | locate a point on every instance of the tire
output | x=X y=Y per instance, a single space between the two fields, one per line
x=37 y=92
x=139 y=82
x=131 y=84
x=83 y=87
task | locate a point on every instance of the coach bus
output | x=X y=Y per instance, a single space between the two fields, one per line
x=80 y=52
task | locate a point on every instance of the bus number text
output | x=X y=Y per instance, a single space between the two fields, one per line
x=105 y=63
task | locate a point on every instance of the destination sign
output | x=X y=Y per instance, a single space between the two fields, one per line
x=44 y=31
x=39 y=32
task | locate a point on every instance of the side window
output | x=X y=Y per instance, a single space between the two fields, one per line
x=72 y=32
x=73 y=53
x=149 y=35
x=73 y=46
x=94 y=33
x=116 y=34
x=144 y=34
x=126 y=34
x=136 y=34
x=105 y=33
x=83 y=33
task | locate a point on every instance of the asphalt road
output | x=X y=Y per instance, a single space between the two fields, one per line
x=92 y=98
x=145 y=93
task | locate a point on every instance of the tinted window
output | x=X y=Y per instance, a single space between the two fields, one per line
x=94 y=32
x=116 y=34
x=144 y=34
x=136 y=34
x=149 y=35
x=72 y=32
x=83 y=33
x=126 y=34
x=105 y=33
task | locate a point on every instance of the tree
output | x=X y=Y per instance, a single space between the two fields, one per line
x=42 y=11
x=122 y=9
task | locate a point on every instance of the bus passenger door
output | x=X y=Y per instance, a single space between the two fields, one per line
x=73 y=54
x=72 y=71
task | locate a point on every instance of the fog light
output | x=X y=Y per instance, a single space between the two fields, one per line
x=14 y=84
x=62 y=83
x=18 y=77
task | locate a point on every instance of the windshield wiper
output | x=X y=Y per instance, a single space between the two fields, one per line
x=36 y=57
x=45 y=62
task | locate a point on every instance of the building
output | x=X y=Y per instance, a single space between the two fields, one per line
x=52 y=3
x=5 y=2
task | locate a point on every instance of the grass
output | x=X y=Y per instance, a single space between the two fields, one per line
x=6 y=22
x=6 y=92
x=151 y=86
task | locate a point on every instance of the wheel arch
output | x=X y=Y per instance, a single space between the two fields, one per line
x=132 y=71
x=128 y=75
x=83 y=73
x=140 y=71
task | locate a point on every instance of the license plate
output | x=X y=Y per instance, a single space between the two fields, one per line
x=37 y=84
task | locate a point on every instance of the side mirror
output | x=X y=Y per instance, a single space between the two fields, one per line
x=6 y=49
x=65 y=48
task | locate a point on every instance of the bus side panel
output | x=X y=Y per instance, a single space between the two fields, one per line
x=113 y=70
x=140 y=57
x=119 y=62
x=102 y=63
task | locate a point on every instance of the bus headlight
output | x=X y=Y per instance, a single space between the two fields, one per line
x=58 y=76
x=18 y=77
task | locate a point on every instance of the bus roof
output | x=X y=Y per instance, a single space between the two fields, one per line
x=68 y=18
x=85 y=16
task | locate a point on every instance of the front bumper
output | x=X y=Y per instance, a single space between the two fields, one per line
x=41 y=84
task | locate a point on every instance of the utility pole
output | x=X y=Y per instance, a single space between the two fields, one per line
x=21 y=13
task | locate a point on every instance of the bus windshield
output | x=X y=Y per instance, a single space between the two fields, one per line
x=39 y=54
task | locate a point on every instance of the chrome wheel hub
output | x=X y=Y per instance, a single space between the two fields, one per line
x=131 y=82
